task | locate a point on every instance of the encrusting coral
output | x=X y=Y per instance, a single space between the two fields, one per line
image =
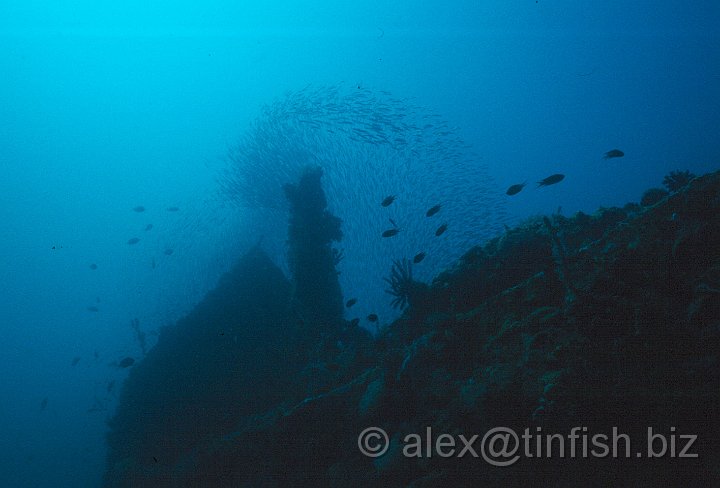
x=675 y=180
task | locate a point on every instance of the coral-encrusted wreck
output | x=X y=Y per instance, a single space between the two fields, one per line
x=593 y=322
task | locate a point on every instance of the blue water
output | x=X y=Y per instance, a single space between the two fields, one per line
x=104 y=108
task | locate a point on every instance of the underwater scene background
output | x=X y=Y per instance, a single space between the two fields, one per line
x=182 y=282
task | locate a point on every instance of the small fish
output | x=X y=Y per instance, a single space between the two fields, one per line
x=351 y=302
x=148 y=227
x=134 y=240
x=172 y=209
x=388 y=200
x=615 y=153
x=441 y=229
x=372 y=317
x=168 y=252
x=139 y=208
x=515 y=189
x=43 y=403
x=93 y=266
x=419 y=257
x=391 y=232
x=433 y=210
x=551 y=180
x=393 y=223
x=354 y=322
x=92 y=308
x=126 y=363
x=75 y=360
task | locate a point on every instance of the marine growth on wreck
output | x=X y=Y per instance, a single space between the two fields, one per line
x=560 y=324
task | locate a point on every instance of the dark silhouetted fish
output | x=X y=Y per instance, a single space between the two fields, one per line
x=134 y=240
x=93 y=266
x=515 y=189
x=354 y=322
x=615 y=153
x=43 y=403
x=433 y=210
x=391 y=232
x=351 y=302
x=387 y=200
x=419 y=257
x=75 y=360
x=93 y=308
x=168 y=252
x=172 y=209
x=148 y=227
x=343 y=108
x=372 y=317
x=139 y=208
x=126 y=363
x=441 y=229
x=551 y=180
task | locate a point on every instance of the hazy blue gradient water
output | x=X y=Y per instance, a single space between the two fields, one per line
x=106 y=106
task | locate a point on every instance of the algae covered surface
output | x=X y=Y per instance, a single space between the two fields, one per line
x=588 y=330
